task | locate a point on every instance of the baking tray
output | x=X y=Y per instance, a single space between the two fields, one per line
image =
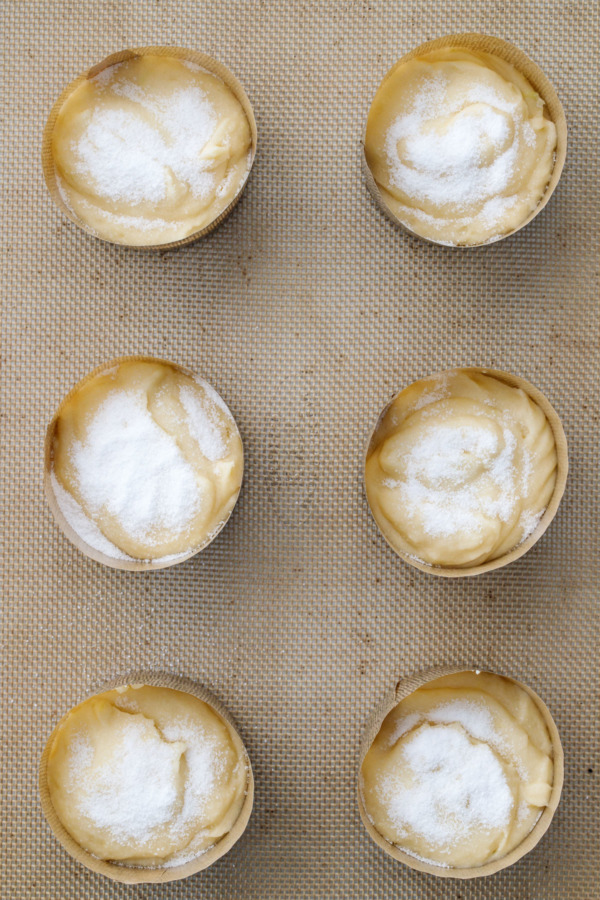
x=307 y=310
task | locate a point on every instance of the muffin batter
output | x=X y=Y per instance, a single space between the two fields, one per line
x=459 y=146
x=146 y=776
x=460 y=469
x=146 y=461
x=151 y=150
x=460 y=771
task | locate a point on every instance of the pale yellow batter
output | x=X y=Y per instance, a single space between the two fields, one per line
x=460 y=771
x=147 y=461
x=459 y=146
x=146 y=776
x=460 y=469
x=151 y=150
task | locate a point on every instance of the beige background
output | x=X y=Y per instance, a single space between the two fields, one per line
x=306 y=310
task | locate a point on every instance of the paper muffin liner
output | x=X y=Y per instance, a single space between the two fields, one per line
x=404 y=688
x=200 y=59
x=562 y=469
x=126 y=565
x=138 y=874
x=553 y=108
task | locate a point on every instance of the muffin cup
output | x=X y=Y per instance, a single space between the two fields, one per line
x=408 y=686
x=562 y=468
x=138 y=874
x=126 y=565
x=200 y=59
x=509 y=53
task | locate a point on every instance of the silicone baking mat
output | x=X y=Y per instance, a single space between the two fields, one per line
x=307 y=310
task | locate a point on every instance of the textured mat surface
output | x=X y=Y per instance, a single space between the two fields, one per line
x=307 y=310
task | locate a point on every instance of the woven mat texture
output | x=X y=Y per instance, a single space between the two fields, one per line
x=307 y=310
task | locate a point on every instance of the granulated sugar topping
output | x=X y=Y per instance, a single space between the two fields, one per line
x=132 y=153
x=129 y=466
x=446 y=470
x=456 y=148
x=131 y=796
x=456 y=786
x=81 y=524
x=203 y=424
x=149 y=780
x=475 y=718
